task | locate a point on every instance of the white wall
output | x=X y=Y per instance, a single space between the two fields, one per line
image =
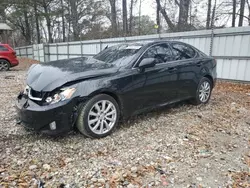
x=230 y=46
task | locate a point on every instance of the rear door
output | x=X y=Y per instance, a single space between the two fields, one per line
x=189 y=67
x=4 y=51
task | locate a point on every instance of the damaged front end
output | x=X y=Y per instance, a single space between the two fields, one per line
x=49 y=102
x=52 y=113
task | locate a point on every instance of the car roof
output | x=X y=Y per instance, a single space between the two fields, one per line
x=6 y=45
x=150 y=42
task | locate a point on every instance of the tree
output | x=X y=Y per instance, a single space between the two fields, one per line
x=248 y=4
x=124 y=17
x=183 y=14
x=3 y=6
x=182 y=24
x=27 y=24
x=242 y=9
x=158 y=20
x=21 y=19
x=74 y=18
x=63 y=21
x=46 y=7
x=83 y=15
x=37 y=22
x=132 y=2
x=213 y=14
x=234 y=13
x=146 y=25
x=67 y=20
x=208 y=14
x=113 y=18
x=165 y=15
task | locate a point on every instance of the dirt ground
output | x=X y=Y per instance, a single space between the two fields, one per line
x=24 y=63
x=177 y=146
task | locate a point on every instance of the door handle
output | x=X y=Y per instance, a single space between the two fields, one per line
x=172 y=69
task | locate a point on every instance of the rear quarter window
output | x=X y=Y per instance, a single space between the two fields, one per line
x=183 y=51
x=3 y=49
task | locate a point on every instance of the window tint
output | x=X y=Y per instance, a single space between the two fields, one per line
x=182 y=51
x=162 y=53
x=3 y=49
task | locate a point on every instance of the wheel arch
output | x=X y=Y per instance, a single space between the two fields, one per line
x=210 y=78
x=4 y=58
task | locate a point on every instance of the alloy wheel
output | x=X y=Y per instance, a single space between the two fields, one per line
x=4 y=65
x=102 y=117
x=204 y=91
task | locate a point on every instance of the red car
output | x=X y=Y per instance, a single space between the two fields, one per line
x=7 y=57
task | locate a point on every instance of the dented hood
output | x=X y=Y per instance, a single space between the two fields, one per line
x=49 y=76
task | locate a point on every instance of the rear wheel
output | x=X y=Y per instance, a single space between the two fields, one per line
x=98 y=117
x=203 y=92
x=4 y=65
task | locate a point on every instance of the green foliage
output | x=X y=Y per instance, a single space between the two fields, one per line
x=144 y=25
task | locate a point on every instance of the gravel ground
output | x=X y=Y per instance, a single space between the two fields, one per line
x=181 y=146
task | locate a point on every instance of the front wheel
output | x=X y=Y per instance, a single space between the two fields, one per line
x=98 y=117
x=203 y=92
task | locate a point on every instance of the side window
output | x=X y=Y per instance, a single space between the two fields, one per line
x=182 y=51
x=3 y=49
x=161 y=52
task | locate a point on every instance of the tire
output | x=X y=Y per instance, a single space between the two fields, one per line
x=4 y=65
x=91 y=119
x=205 y=87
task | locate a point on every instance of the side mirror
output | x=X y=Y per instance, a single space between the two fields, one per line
x=147 y=62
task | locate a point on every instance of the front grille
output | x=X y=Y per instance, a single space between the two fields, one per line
x=36 y=94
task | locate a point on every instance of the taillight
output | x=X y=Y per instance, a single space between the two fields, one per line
x=14 y=53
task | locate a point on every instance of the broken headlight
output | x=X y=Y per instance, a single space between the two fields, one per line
x=26 y=90
x=65 y=93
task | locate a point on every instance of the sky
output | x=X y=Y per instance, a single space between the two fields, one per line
x=148 y=7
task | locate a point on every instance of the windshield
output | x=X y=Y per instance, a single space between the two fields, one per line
x=119 y=55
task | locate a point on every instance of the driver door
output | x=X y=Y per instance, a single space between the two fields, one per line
x=160 y=84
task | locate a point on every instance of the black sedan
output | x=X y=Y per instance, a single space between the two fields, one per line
x=93 y=94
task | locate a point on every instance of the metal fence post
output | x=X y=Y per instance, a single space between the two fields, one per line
x=48 y=52
x=211 y=42
x=33 y=55
x=26 y=49
x=159 y=35
x=43 y=50
x=57 y=51
x=44 y=56
x=100 y=45
x=81 y=48
x=38 y=52
x=68 y=49
x=212 y=31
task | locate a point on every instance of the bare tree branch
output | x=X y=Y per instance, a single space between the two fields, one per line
x=236 y=14
x=164 y=14
x=178 y=3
